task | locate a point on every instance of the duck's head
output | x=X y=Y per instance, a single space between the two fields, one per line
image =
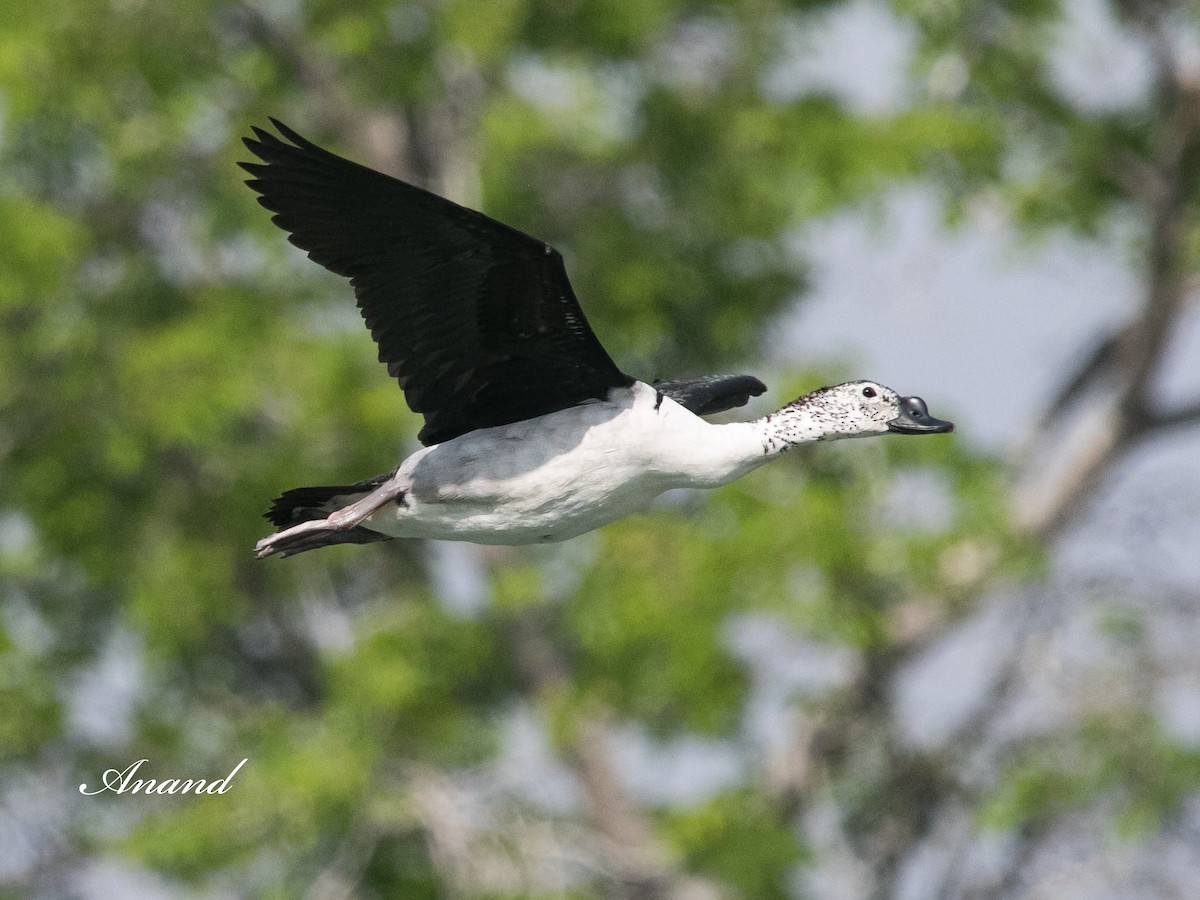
x=862 y=408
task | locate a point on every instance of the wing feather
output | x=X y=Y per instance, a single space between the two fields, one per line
x=476 y=320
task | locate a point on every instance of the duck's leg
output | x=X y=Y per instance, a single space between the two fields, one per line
x=344 y=526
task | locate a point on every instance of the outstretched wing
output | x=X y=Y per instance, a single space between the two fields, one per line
x=475 y=319
x=712 y=393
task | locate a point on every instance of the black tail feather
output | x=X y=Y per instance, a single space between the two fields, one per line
x=308 y=504
x=303 y=504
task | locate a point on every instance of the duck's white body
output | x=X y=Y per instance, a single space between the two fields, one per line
x=560 y=475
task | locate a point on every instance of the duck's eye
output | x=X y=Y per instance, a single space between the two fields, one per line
x=868 y=392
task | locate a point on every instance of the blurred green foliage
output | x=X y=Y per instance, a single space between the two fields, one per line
x=1122 y=758
x=168 y=364
x=741 y=839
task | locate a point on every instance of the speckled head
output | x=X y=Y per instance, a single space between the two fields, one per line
x=862 y=408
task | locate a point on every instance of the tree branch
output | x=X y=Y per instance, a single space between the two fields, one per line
x=1092 y=371
x=1176 y=418
x=1134 y=355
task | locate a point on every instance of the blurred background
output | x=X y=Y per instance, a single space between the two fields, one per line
x=961 y=667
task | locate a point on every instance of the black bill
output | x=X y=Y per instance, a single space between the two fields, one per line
x=914 y=418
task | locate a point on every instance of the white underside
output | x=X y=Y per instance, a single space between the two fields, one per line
x=560 y=475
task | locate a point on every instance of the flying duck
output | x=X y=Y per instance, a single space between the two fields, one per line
x=532 y=434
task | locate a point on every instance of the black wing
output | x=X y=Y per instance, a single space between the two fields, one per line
x=712 y=393
x=476 y=320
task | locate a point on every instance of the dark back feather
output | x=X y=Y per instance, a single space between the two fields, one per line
x=710 y=394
